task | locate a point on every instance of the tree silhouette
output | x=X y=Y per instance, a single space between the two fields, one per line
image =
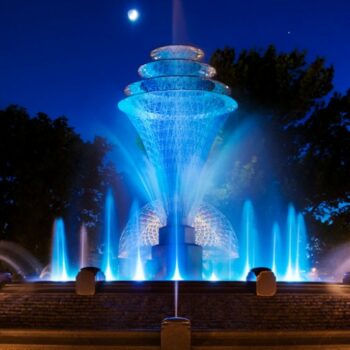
x=47 y=170
x=302 y=146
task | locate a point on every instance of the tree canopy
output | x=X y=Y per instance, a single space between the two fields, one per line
x=304 y=130
x=47 y=170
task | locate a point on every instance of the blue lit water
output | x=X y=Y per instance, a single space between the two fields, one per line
x=110 y=240
x=248 y=252
x=59 y=256
x=177 y=110
x=139 y=268
x=284 y=250
x=277 y=253
x=84 y=247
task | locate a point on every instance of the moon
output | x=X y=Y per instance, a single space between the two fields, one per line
x=133 y=15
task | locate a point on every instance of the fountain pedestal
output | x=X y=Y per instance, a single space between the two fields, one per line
x=177 y=245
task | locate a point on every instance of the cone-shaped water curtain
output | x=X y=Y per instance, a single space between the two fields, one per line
x=177 y=109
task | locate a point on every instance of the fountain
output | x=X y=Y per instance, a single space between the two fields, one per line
x=284 y=251
x=139 y=268
x=276 y=247
x=177 y=110
x=84 y=247
x=110 y=241
x=177 y=235
x=19 y=260
x=59 y=262
x=249 y=239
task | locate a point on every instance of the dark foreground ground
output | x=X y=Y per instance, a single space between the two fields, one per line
x=128 y=315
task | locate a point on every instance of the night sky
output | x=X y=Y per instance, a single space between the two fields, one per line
x=74 y=57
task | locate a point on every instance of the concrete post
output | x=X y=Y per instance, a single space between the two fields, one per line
x=86 y=279
x=266 y=284
x=175 y=334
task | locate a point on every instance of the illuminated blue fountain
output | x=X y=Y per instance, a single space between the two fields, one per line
x=284 y=250
x=248 y=242
x=59 y=259
x=276 y=247
x=297 y=260
x=177 y=109
x=110 y=240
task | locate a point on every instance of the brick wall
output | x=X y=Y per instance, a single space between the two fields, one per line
x=128 y=305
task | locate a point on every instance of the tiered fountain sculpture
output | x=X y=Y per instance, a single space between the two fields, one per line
x=177 y=109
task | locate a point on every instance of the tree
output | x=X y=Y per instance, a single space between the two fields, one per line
x=324 y=169
x=301 y=145
x=47 y=170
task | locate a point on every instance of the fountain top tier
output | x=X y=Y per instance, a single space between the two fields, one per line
x=178 y=61
x=177 y=52
x=176 y=71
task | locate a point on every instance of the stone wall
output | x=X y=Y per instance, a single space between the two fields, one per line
x=219 y=305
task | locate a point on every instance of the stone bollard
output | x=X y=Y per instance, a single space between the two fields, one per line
x=175 y=334
x=262 y=281
x=86 y=279
x=266 y=285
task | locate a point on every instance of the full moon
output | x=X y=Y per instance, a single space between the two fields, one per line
x=133 y=15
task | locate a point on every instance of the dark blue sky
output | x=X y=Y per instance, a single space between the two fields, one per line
x=74 y=57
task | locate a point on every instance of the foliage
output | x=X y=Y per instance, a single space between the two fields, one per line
x=47 y=170
x=301 y=144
